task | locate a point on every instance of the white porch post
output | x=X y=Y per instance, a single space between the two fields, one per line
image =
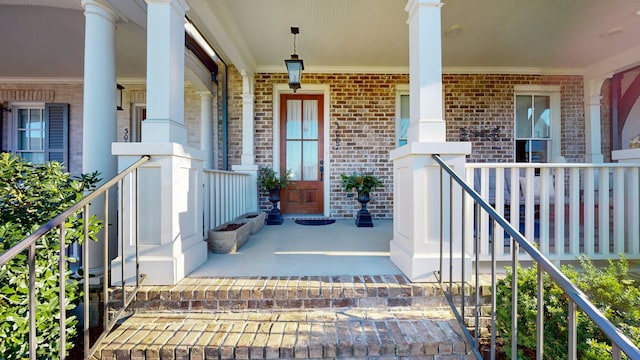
x=206 y=125
x=417 y=216
x=170 y=189
x=99 y=112
x=592 y=89
x=248 y=162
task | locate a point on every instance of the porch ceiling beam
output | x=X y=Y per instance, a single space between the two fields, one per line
x=232 y=49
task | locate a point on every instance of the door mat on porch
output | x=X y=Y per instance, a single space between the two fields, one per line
x=315 y=221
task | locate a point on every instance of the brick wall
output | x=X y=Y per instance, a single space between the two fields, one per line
x=363 y=111
x=605 y=119
x=486 y=101
x=362 y=114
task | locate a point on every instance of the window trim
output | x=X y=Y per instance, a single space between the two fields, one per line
x=555 y=136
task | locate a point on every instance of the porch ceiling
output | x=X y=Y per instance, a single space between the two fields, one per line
x=44 y=38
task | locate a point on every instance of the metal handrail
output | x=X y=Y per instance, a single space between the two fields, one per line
x=620 y=342
x=58 y=222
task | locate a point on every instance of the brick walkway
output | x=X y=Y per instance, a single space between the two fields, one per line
x=306 y=317
x=286 y=335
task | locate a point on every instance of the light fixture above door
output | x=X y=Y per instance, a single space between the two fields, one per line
x=295 y=64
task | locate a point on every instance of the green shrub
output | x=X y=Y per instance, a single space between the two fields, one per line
x=30 y=196
x=608 y=288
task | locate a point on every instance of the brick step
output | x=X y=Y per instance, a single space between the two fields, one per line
x=312 y=334
x=297 y=292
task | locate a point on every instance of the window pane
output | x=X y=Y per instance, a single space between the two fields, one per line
x=294 y=119
x=524 y=116
x=404 y=120
x=37 y=158
x=23 y=142
x=542 y=116
x=532 y=151
x=310 y=160
x=294 y=159
x=538 y=151
x=23 y=118
x=310 y=120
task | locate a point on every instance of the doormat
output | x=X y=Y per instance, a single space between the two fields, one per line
x=315 y=221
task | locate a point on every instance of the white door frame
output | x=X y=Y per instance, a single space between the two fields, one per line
x=318 y=89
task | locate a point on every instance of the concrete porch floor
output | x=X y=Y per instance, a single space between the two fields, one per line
x=291 y=249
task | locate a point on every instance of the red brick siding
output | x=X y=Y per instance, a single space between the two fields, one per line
x=484 y=101
x=362 y=113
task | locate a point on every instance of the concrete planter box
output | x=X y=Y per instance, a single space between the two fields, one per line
x=228 y=241
x=255 y=218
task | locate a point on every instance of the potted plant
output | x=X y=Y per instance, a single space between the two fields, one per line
x=269 y=181
x=363 y=184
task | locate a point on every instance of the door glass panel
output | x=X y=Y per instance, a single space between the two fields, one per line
x=294 y=119
x=310 y=120
x=294 y=159
x=310 y=160
x=523 y=116
x=542 y=116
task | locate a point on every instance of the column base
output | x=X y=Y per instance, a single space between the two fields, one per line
x=160 y=270
x=423 y=267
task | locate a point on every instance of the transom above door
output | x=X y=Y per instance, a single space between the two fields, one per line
x=301 y=152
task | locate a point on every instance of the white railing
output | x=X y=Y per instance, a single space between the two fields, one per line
x=568 y=209
x=225 y=197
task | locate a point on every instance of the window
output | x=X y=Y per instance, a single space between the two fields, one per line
x=537 y=125
x=41 y=132
x=402 y=114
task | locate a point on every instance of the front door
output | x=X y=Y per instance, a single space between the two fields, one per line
x=301 y=151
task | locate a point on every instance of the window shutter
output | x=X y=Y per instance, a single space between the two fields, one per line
x=57 y=138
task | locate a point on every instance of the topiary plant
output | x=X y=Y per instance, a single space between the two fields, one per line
x=31 y=195
x=609 y=288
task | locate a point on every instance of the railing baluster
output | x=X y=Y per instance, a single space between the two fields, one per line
x=559 y=237
x=572 y=329
x=540 y=315
x=32 y=301
x=514 y=298
x=493 y=298
x=62 y=269
x=574 y=211
x=85 y=274
x=618 y=210
x=603 y=211
x=588 y=212
x=633 y=234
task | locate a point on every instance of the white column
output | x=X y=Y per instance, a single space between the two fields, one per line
x=417 y=212
x=99 y=111
x=165 y=72
x=248 y=162
x=425 y=69
x=206 y=125
x=593 y=128
x=171 y=182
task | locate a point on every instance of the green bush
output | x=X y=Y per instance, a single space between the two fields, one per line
x=30 y=196
x=608 y=288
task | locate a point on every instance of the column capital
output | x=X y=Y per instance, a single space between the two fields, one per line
x=204 y=94
x=97 y=8
x=180 y=4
